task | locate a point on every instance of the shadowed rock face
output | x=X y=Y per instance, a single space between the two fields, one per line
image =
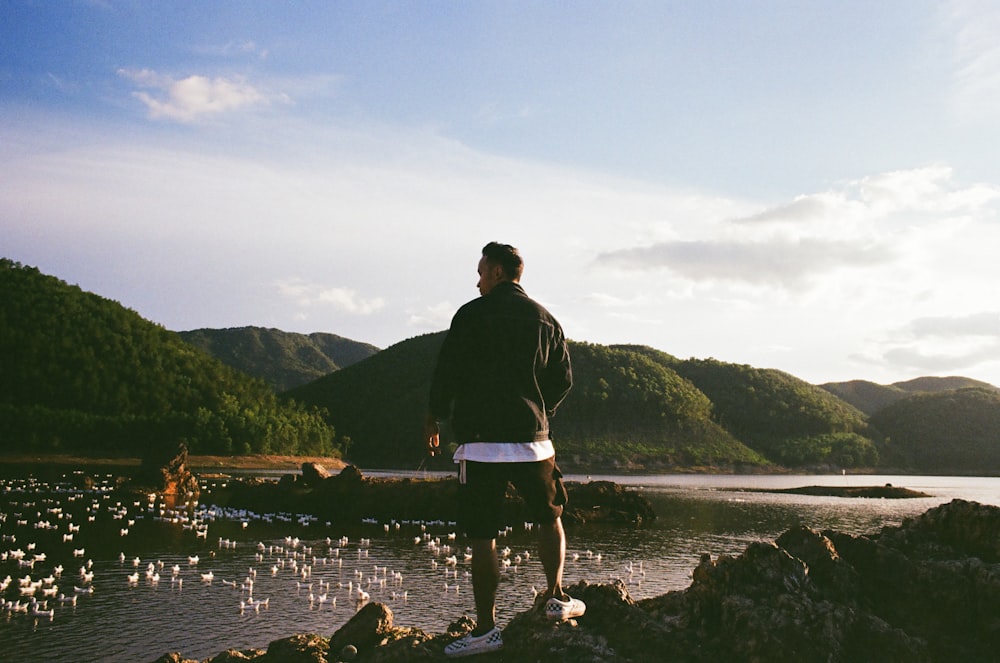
x=166 y=472
x=928 y=590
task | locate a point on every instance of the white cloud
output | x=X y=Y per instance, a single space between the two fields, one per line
x=873 y=222
x=435 y=317
x=309 y=295
x=192 y=98
x=930 y=189
x=943 y=343
x=986 y=323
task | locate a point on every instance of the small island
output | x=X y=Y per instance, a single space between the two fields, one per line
x=888 y=491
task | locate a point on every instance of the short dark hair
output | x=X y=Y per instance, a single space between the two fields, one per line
x=507 y=257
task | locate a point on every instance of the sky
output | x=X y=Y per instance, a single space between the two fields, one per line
x=806 y=186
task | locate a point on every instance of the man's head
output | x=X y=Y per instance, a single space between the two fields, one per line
x=500 y=262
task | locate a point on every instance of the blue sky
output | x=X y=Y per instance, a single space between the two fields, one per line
x=807 y=186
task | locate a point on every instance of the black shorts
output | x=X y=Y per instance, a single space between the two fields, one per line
x=481 y=496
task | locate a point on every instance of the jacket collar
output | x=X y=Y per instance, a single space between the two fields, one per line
x=506 y=286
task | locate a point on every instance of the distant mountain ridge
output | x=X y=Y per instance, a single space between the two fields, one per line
x=282 y=359
x=870 y=397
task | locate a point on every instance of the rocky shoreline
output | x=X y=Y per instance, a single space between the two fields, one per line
x=926 y=591
x=349 y=497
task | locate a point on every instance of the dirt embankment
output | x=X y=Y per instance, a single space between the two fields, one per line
x=195 y=463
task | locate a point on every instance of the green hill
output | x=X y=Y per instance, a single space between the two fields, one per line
x=624 y=410
x=379 y=403
x=870 y=397
x=628 y=409
x=282 y=359
x=786 y=419
x=84 y=374
x=948 y=432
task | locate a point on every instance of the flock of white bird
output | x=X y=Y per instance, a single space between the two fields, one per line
x=319 y=572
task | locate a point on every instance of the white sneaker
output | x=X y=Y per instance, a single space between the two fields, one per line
x=568 y=609
x=469 y=644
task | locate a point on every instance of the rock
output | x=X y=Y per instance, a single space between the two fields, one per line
x=314 y=473
x=300 y=648
x=237 y=656
x=367 y=628
x=605 y=502
x=166 y=472
x=174 y=657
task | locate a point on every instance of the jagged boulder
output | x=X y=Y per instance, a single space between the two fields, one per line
x=166 y=471
x=606 y=502
x=300 y=648
x=314 y=473
x=239 y=656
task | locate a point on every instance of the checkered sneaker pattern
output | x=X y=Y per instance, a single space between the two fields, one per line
x=469 y=644
x=568 y=609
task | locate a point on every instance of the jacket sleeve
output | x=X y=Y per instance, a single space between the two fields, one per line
x=442 y=390
x=558 y=374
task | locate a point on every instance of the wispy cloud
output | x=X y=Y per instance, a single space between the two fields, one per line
x=235 y=48
x=779 y=262
x=943 y=343
x=976 y=75
x=308 y=295
x=194 y=97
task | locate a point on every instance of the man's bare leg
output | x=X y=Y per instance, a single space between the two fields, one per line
x=485 y=579
x=552 y=551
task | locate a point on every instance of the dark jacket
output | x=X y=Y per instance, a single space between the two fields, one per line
x=503 y=369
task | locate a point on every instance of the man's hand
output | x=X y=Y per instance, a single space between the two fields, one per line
x=432 y=435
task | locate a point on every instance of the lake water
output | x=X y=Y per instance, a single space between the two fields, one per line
x=273 y=575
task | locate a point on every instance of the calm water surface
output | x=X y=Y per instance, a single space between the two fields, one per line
x=277 y=574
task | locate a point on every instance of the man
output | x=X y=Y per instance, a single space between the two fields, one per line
x=503 y=369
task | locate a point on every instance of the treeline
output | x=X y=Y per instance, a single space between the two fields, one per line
x=631 y=407
x=84 y=374
x=949 y=432
x=284 y=360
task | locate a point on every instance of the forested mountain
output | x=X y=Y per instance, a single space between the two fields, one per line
x=282 y=359
x=379 y=403
x=788 y=420
x=628 y=407
x=870 y=397
x=84 y=374
x=946 y=432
